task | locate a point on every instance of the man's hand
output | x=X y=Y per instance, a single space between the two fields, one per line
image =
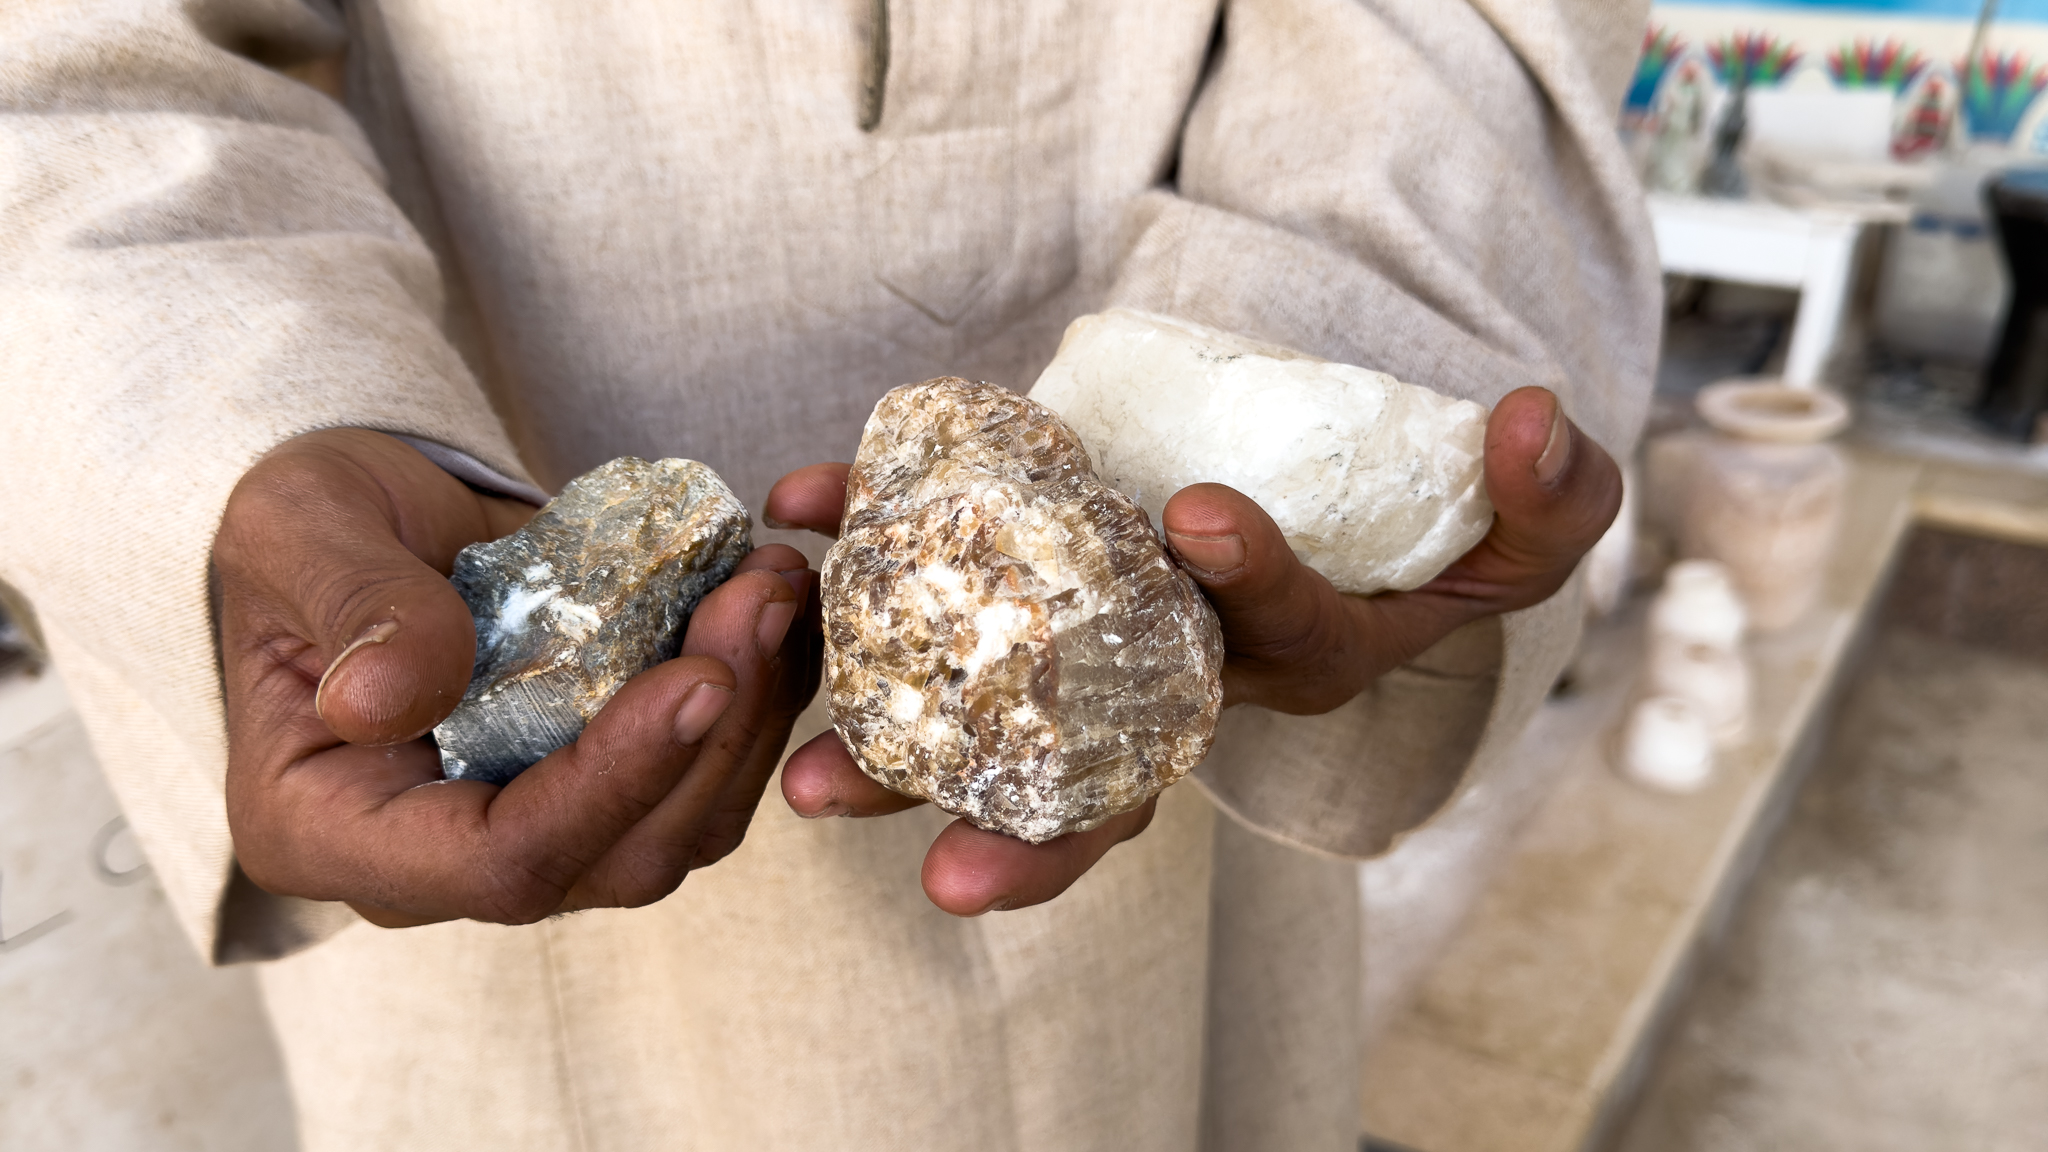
x=342 y=643
x=1293 y=643
x=1297 y=645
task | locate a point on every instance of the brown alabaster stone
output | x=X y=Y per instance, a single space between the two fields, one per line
x=1005 y=634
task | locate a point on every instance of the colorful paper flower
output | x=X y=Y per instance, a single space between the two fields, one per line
x=1759 y=57
x=1660 y=48
x=1998 y=88
x=1876 y=64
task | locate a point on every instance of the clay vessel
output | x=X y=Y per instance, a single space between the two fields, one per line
x=1766 y=496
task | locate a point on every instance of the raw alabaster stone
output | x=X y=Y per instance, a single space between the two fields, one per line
x=1376 y=484
x=1005 y=635
x=594 y=590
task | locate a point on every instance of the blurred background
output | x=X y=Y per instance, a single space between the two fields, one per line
x=1772 y=868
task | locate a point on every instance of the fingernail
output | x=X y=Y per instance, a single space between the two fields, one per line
x=700 y=710
x=835 y=808
x=774 y=625
x=768 y=521
x=800 y=581
x=374 y=634
x=1557 y=452
x=1209 y=555
x=999 y=904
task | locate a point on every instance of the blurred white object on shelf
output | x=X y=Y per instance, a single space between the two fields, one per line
x=1698 y=605
x=1843 y=125
x=1695 y=657
x=1666 y=745
x=1715 y=680
x=1830 y=147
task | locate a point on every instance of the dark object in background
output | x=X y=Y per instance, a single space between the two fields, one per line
x=2016 y=384
x=21 y=643
x=1723 y=178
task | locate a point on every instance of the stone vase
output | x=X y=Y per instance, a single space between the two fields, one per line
x=1766 y=496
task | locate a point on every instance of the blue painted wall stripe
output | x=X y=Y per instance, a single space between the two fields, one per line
x=2009 y=11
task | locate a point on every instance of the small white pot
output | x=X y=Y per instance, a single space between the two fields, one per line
x=1715 y=680
x=1666 y=746
x=1698 y=605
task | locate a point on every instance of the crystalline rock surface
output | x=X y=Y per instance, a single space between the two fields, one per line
x=595 y=589
x=1005 y=634
x=1376 y=484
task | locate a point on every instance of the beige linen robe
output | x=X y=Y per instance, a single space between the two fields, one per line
x=546 y=233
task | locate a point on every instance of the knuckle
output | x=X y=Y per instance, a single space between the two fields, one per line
x=1310 y=646
x=1322 y=694
x=350 y=594
x=261 y=852
x=648 y=889
x=644 y=878
x=722 y=840
x=1143 y=821
x=278 y=495
x=516 y=893
x=266 y=872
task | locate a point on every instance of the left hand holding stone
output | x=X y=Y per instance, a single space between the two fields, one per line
x=1295 y=644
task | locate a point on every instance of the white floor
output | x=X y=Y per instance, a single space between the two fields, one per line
x=113 y=1036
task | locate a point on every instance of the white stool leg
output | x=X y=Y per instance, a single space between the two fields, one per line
x=1822 y=299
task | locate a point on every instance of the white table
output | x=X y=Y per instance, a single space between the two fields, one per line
x=1810 y=250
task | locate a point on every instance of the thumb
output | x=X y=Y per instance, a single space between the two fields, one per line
x=1282 y=621
x=1554 y=491
x=403 y=644
x=320 y=559
x=1263 y=593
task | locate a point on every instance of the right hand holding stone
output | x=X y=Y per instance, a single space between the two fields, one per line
x=342 y=644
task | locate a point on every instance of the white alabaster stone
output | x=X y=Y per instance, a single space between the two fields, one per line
x=1376 y=484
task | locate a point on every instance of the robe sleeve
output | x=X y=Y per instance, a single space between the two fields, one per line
x=198 y=261
x=1431 y=188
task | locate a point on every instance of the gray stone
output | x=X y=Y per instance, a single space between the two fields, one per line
x=1005 y=634
x=594 y=590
